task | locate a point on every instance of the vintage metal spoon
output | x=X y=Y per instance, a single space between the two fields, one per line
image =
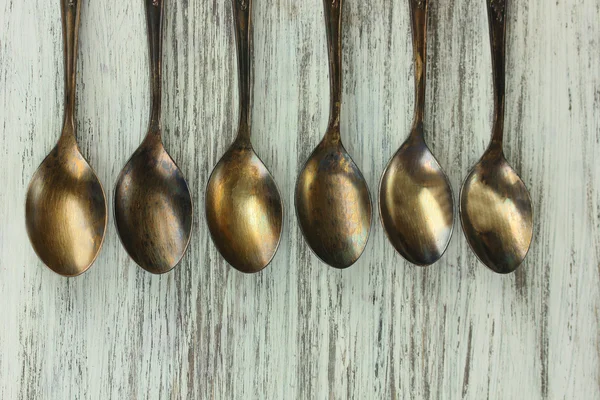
x=243 y=206
x=65 y=209
x=495 y=206
x=333 y=203
x=415 y=197
x=153 y=206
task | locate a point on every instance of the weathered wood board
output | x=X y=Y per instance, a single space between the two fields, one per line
x=382 y=329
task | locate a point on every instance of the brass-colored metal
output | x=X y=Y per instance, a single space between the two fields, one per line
x=333 y=203
x=243 y=205
x=65 y=209
x=415 y=198
x=153 y=205
x=495 y=207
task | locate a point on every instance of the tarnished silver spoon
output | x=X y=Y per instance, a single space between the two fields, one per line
x=333 y=203
x=153 y=205
x=65 y=209
x=243 y=206
x=415 y=197
x=495 y=206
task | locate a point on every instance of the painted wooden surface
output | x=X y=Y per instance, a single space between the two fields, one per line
x=382 y=329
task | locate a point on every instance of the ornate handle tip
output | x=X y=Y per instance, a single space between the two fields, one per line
x=499 y=8
x=420 y=4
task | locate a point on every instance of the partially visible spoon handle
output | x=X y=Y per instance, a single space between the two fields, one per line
x=333 y=20
x=418 y=10
x=70 y=12
x=242 y=15
x=497 y=21
x=154 y=20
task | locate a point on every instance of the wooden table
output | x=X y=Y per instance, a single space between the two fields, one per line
x=382 y=329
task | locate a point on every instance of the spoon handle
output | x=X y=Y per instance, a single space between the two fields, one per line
x=242 y=12
x=497 y=21
x=70 y=12
x=333 y=21
x=154 y=20
x=418 y=10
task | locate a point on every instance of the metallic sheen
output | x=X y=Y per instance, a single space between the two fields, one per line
x=65 y=209
x=333 y=203
x=495 y=206
x=153 y=205
x=415 y=197
x=243 y=206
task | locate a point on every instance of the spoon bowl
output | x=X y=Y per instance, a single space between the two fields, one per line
x=416 y=204
x=496 y=214
x=333 y=205
x=66 y=214
x=244 y=210
x=153 y=208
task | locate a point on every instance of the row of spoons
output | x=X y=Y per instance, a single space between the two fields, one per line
x=66 y=211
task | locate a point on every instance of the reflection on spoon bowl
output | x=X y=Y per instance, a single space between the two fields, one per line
x=333 y=205
x=244 y=210
x=496 y=214
x=153 y=208
x=65 y=211
x=416 y=205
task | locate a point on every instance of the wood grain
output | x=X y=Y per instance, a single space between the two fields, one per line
x=382 y=329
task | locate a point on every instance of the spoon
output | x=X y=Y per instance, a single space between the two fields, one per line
x=65 y=209
x=495 y=208
x=243 y=206
x=153 y=206
x=333 y=203
x=415 y=197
